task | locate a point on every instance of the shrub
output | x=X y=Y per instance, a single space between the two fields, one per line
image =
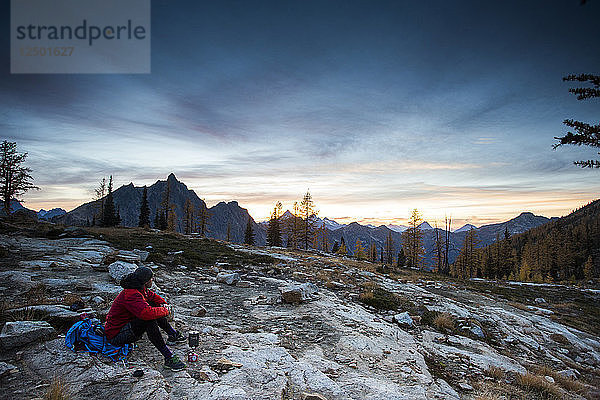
x=444 y=322
x=71 y=298
x=571 y=385
x=381 y=299
x=558 y=338
x=497 y=373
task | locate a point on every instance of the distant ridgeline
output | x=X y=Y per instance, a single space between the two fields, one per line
x=229 y=221
x=567 y=248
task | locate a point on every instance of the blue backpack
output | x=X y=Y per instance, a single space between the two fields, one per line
x=89 y=334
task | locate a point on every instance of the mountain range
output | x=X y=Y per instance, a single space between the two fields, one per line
x=128 y=198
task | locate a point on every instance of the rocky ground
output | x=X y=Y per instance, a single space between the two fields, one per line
x=266 y=332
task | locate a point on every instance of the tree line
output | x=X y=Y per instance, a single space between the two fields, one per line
x=567 y=249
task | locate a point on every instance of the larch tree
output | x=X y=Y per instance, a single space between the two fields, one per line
x=582 y=134
x=359 y=251
x=412 y=241
x=292 y=225
x=202 y=217
x=342 y=250
x=467 y=262
x=171 y=218
x=144 y=219
x=308 y=213
x=15 y=178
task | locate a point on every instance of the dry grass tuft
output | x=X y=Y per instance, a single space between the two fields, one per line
x=538 y=384
x=497 y=373
x=58 y=390
x=71 y=298
x=571 y=385
x=444 y=322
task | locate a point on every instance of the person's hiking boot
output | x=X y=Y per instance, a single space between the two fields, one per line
x=177 y=338
x=175 y=364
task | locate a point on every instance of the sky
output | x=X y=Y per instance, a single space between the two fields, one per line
x=375 y=107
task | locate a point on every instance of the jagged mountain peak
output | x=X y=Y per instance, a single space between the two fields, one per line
x=466 y=227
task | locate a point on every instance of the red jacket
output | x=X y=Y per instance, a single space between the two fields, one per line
x=131 y=304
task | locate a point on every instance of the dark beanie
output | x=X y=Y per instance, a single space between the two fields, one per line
x=137 y=279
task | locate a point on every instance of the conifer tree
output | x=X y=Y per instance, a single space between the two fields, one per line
x=203 y=216
x=165 y=208
x=336 y=247
x=156 y=220
x=100 y=192
x=467 y=261
x=188 y=217
x=584 y=134
x=15 y=179
x=292 y=225
x=412 y=241
x=109 y=214
x=447 y=229
x=342 y=249
x=401 y=261
x=171 y=216
x=373 y=252
x=438 y=257
x=388 y=250
x=308 y=213
x=274 y=230
x=321 y=238
x=588 y=268
x=144 y=219
x=249 y=233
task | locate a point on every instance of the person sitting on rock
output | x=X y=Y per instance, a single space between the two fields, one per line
x=137 y=310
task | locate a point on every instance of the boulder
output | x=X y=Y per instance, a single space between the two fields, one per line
x=228 y=278
x=119 y=269
x=298 y=293
x=403 y=319
x=200 y=311
x=540 y=300
x=20 y=333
